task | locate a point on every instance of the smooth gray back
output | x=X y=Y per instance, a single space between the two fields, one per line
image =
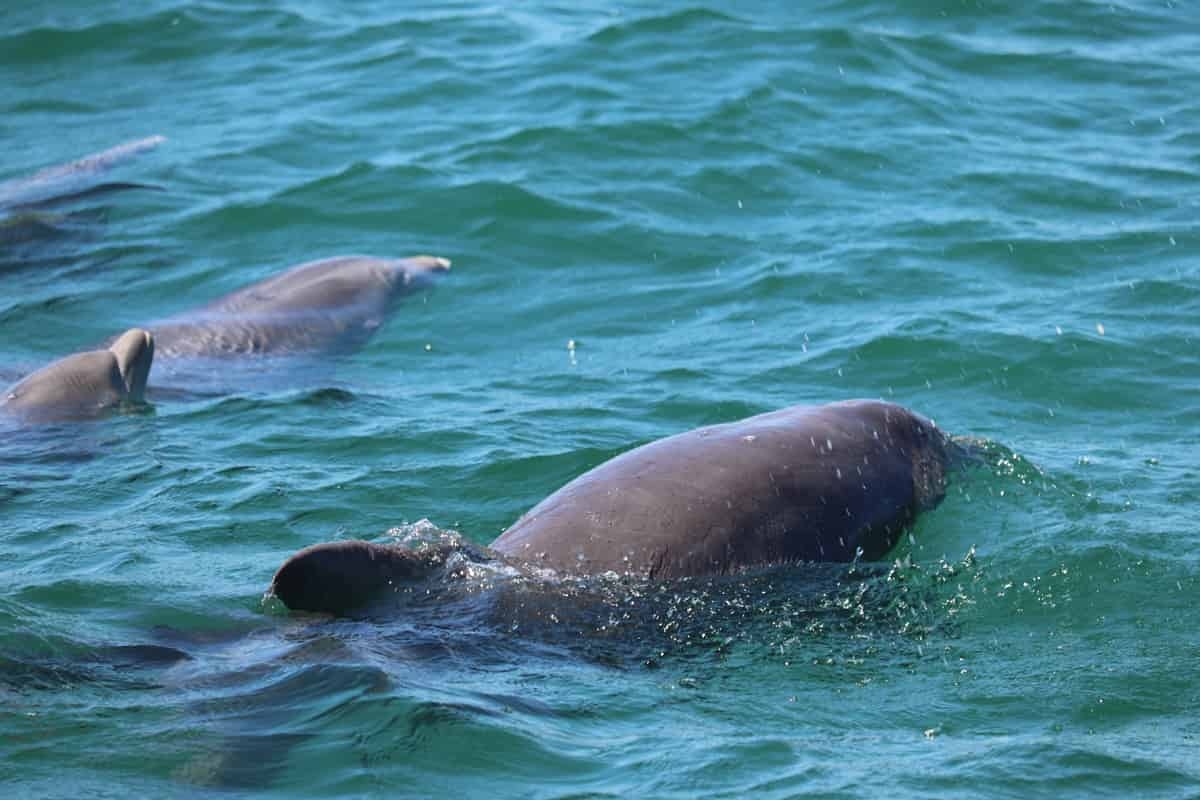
x=807 y=483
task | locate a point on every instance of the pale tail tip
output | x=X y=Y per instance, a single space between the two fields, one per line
x=139 y=336
x=432 y=263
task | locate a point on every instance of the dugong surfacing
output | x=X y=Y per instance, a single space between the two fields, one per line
x=324 y=306
x=824 y=483
x=807 y=483
x=85 y=384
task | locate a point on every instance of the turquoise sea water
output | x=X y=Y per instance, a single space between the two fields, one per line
x=984 y=211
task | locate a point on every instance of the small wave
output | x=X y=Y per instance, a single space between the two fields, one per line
x=678 y=22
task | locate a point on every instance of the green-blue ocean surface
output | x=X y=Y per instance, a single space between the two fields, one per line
x=661 y=215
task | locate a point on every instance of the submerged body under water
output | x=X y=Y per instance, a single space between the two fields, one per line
x=661 y=217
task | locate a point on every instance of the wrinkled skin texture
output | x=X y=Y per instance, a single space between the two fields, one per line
x=323 y=306
x=807 y=483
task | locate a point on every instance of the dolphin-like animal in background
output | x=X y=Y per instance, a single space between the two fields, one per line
x=836 y=482
x=74 y=180
x=85 y=385
x=331 y=305
x=26 y=203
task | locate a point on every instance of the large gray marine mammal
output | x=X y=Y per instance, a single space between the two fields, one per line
x=322 y=306
x=85 y=384
x=834 y=482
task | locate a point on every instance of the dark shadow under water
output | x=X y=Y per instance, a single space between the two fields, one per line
x=259 y=692
x=252 y=695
